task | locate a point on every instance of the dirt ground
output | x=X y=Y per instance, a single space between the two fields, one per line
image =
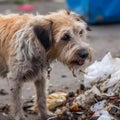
x=103 y=38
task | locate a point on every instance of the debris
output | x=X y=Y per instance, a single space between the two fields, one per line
x=101 y=70
x=103 y=117
x=100 y=98
x=55 y=100
x=94 y=106
x=98 y=106
x=105 y=76
x=61 y=110
x=3 y=92
x=101 y=112
x=113 y=110
x=87 y=97
x=79 y=113
x=5 y=109
x=82 y=87
x=71 y=94
x=63 y=76
x=94 y=118
x=66 y=87
x=74 y=107
x=113 y=83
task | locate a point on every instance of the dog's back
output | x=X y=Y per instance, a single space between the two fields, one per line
x=9 y=24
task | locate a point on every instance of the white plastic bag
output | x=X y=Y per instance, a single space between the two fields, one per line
x=101 y=70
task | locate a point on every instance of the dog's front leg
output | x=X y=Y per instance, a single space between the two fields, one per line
x=40 y=85
x=16 y=85
x=16 y=98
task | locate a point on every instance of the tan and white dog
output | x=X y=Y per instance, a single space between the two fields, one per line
x=28 y=44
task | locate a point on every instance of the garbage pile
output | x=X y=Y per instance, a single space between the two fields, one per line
x=99 y=101
x=101 y=98
x=105 y=74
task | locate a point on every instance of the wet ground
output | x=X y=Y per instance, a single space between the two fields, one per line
x=103 y=38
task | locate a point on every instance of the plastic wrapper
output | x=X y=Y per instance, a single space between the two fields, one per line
x=105 y=74
x=98 y=106
x=56 y=99
x=101 y=70
x=104 y=117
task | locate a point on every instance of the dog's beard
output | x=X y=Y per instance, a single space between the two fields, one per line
x=78 y=69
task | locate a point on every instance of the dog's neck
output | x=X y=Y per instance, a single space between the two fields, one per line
x=51 y=56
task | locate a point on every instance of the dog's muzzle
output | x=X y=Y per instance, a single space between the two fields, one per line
x=82 y=56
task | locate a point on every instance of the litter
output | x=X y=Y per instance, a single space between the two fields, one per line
x=3 y=92
x=105 y=74
x=55 y=100
x=103 y=117
x=101 y=70
x=98 y=106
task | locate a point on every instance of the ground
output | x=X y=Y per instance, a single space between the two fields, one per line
x=103 y=39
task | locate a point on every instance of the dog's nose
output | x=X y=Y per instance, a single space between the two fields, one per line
x=83 y=53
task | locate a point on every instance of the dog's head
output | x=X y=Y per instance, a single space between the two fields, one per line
x=63 y=36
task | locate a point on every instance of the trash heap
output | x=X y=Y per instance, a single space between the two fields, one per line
x=99 y=101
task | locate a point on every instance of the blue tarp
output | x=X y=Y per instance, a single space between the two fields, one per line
x=96 y=11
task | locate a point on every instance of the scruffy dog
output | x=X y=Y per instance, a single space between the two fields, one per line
x=28 y=44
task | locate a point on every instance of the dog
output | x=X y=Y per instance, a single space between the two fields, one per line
x=30 y=43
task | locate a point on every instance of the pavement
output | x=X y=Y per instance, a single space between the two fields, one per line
x=103 y=39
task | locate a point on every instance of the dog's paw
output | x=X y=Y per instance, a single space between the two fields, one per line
x=32 y=110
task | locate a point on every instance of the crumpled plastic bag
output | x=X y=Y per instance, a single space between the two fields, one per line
x=98 y=106
x=104 y=117
x=113 y=81
x=100 y=71
x=99 y=111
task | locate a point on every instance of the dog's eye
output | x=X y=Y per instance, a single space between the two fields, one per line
x=81 y=32
x=66 y=37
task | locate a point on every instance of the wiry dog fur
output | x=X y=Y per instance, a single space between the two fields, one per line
x=28 y=44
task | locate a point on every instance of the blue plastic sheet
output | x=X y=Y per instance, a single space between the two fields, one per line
x=96 y=11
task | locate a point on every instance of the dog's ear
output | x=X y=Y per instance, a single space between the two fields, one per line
x=44 y=34
x=81 y=18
